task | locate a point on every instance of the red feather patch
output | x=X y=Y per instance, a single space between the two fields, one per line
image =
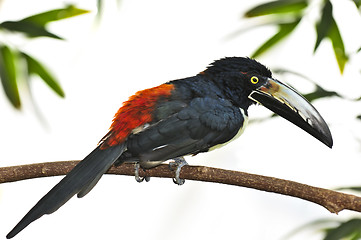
x=134 y=113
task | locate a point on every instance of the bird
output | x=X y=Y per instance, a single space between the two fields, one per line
x=183 y=117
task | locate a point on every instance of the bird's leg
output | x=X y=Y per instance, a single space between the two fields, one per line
x=136 y=174
x=178 y=164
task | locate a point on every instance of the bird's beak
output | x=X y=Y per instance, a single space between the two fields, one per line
x=289 y=104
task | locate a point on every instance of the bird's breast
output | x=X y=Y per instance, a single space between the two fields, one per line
x=239 y=133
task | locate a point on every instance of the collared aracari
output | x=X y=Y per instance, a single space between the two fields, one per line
x=183 y=117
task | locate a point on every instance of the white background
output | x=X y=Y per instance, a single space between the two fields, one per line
x=142 y=44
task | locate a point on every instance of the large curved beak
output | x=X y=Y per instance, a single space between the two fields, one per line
x=289 y=104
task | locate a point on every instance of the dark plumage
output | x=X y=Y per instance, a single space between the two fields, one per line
x=182 y=117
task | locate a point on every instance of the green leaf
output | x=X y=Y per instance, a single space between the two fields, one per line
x=350 y=228
x=277 y=7
x=99 y=8
x=327 y=27
x=324 y=25
x=42 y=19
x=35 y=67
x=338 y=46
x=284 y=30
x=28 y=28
x=358 y=189
x=34 y=26
x=320 y=93
x=357 y=3
x=315 y=225
x=8 y=75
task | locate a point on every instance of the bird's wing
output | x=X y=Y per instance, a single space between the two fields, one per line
x=203 y=123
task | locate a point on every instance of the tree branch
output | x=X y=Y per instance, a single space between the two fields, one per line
x=331 y=200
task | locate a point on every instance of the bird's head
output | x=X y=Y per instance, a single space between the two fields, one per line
x=245 y=82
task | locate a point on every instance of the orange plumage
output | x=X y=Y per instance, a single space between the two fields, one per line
x=134 y=113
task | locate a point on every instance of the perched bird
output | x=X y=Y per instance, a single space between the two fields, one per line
x=183 y=117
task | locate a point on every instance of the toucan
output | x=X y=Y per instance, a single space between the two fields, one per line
x=183 y=117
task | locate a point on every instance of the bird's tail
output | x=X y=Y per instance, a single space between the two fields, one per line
x=80 y=180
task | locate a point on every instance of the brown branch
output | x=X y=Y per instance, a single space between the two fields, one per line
x=331 y=200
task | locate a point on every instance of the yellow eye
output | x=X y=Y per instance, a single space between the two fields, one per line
x=254 y=80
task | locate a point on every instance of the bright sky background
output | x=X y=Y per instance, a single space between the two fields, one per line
x=142 y=44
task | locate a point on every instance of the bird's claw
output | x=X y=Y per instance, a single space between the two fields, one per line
x=177 y=165
x=136 y=174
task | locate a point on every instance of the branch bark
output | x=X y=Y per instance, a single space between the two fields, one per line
x=333 y=201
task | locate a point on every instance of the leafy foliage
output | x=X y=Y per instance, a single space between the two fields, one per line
x=284 y=29
x=338 y=46
x=15 y=64
x=8 y=75
x=277 y=7
x=350 y=229
x=30 y=29
x=333 y=229
x=324 y=24
x=35 y=67
x=320 y=93
x=357 y=3
x=357 y=189
x=287 y=14
x=327 y=27
x=44 y=18
x=35 y=26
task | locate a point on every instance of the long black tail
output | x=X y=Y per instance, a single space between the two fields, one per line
x=79 y=181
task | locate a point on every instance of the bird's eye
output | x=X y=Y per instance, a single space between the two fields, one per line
x=254 y=80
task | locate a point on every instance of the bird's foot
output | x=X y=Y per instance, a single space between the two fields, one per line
x=136 y=174
x=177 y=165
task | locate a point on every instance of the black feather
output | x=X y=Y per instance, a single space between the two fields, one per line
x=81 y=179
